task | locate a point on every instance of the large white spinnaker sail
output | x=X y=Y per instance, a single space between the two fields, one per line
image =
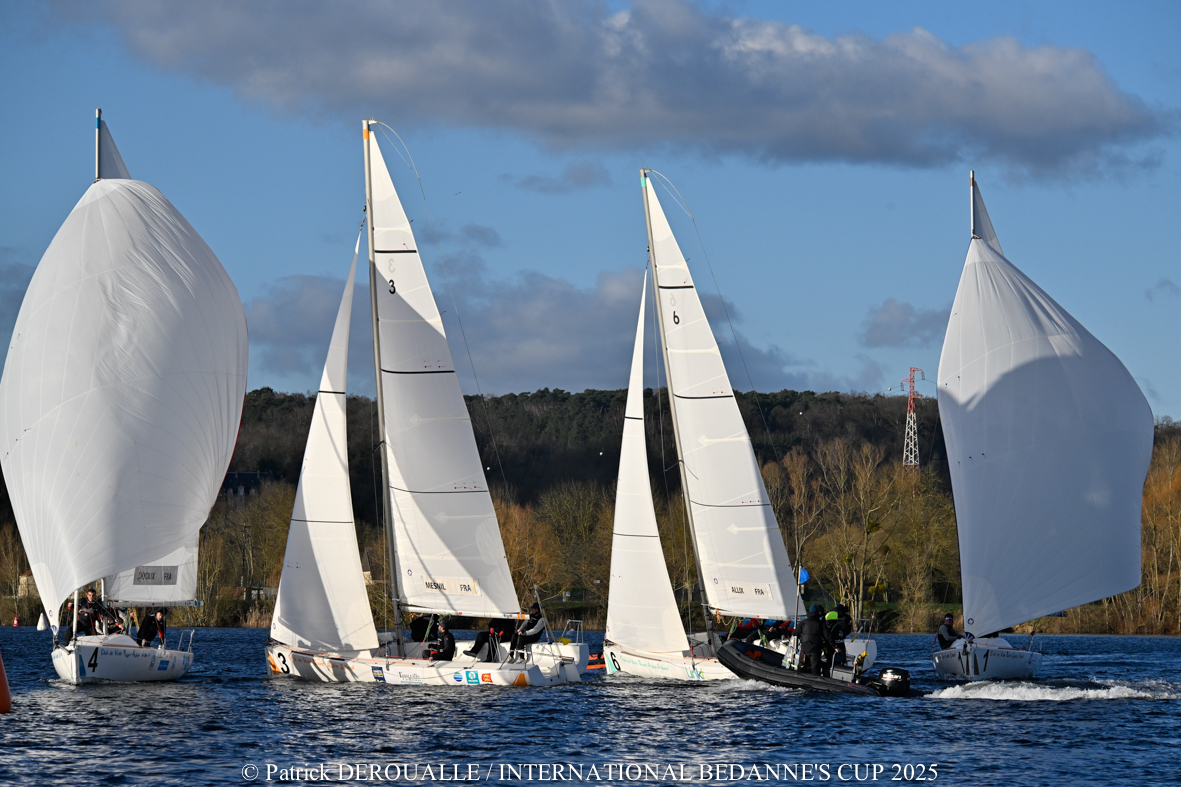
x=642 y=611
x=1048 y=439
x=322 y=604
x=167 y=581
x=122 y=390
x=740 y=550
x=449 y=553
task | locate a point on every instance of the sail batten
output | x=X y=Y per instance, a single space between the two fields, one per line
x=743 y=561
x=448 y=546
x=1049 y=440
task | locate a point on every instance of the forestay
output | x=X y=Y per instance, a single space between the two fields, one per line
x=122 y=390
x=170 y=580
x=744 y=563
x=322 y=604
x=450 y=557
x=641 y=609
x=1048 y=440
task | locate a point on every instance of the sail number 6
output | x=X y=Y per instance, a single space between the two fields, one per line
x=676 y=319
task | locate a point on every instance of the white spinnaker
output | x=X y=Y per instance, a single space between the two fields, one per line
x=166 y=581
x=322 y=604
x=641 y=609
x=1048 y=439
x=122 y=390
x=743 y=560
x=450 y=556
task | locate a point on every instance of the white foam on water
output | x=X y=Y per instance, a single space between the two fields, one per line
x=1033 y=692
x=736 y=685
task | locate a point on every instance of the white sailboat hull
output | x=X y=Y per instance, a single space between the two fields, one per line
x=991 y=659
x=117 y=657
x=669 y=666
x=375 y=667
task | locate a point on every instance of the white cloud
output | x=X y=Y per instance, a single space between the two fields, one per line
x=575 y=74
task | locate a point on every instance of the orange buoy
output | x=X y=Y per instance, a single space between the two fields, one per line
x=5 y=694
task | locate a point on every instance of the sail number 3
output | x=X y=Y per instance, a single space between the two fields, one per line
x=392 y=288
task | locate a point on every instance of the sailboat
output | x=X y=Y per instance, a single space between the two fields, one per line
x=1048 y=441
x=446 y=553
x=644 y=630
x=119 y=410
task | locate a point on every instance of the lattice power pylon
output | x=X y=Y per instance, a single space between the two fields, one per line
x=910 y=447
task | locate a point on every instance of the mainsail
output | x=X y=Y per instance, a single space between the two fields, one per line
x=122 y=390
x=167 y=581
x=1048 y=439
x=740 y=552
x=449 y=554
x=322 y=604
x=641 y=609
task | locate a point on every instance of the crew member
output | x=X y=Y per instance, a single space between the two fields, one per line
x=840 y=625
x=444 y=649
x=153 y=626
x=530 y=631
x=947 y=633
x=813 y=640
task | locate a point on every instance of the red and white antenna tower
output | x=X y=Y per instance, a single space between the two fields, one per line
x=910 y=447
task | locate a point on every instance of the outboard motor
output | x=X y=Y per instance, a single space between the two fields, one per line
x=894 y=682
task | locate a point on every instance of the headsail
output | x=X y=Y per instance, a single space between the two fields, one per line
x=981 y=224
x=743 y=561
x=641 y=609
x=322 y=603
x=450 y=556
x=1048 y=439
x=122 y=390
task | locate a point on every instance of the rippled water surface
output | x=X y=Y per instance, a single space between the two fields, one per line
x=1107 y=711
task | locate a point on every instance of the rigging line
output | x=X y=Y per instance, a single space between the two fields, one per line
x=454 y=302
x=733 y=333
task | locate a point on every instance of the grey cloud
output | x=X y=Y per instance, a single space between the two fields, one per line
x=291 y=324
x=480 y=235
x=582 y=175
x=1164 y=287
x=655 y=73
x=15 y=274
x=899 y=324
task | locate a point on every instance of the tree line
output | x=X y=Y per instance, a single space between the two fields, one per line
x=872 y=533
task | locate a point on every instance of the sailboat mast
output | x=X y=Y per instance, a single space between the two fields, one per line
x=972 y=203
x=98 y=130
x=672 y=408
x=395 y=591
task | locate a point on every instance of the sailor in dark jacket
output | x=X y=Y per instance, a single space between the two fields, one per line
x=947 y=633
x=814 y=639
x=530 y=631
x=840 y=625
x=154 y=625
x=444 y=649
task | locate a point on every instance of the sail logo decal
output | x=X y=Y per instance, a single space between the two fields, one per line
x=458 y=677
x=163 y=665
x=378 y=674
x=749 y=590
x=473 y=677
x=486 y=677
x=155 y=575
x=464 y=586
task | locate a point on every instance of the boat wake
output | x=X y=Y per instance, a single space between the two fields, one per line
x=1042 y=692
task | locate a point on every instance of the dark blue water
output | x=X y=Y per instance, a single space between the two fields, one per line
x=1107 y=711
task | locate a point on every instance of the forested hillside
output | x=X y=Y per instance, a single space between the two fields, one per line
x=870 y=531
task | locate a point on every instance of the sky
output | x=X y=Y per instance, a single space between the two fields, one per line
x=821 y=151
